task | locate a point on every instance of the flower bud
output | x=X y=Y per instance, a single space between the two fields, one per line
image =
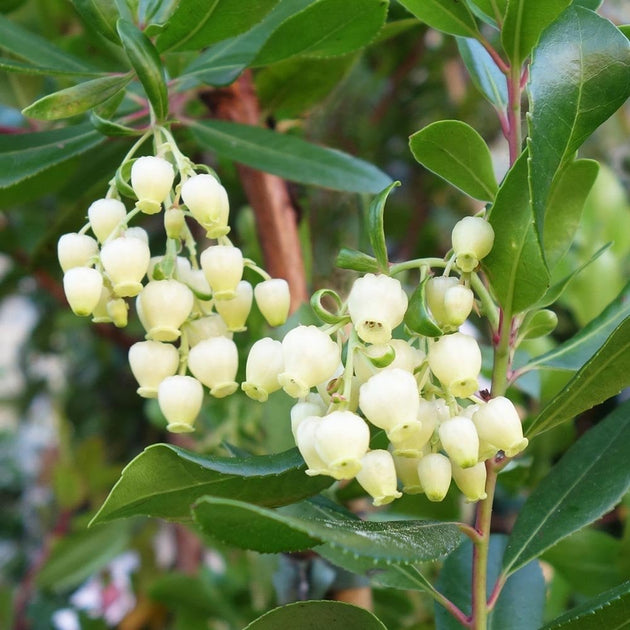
x=215 y=363
x=472 y=239
x=407 y=472
x=223 y=267
x=458 y=304
x=174 y=222
x=460 y=441
x=83 y=287
x=376 y=305
x=378 y=477
x=165 y=306
x=126 y=260
x=118 y=311
x=236 y=310
x=264 y=363
x=151 y=179
x=471 y=481
x=100 y=314
x=341 y=440
x=105 y=215
x=204 y=328
x=310 y=358
x=180 y=399
x=273 y=300
x=151 y=362
x=456 y=361
x=305 y=440
x=208 y=202
x=312 y=405
x=434 y=473
x=76 y=250
x=498 y=423
x=413 y=446
x=435 y=290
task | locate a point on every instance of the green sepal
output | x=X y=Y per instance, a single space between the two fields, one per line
x=122 y=177
x=376 y=231
x=383 y=360
x=322 y=312
x=356 y=261
x=418 y=318
x=538 y=324
x=111 y=128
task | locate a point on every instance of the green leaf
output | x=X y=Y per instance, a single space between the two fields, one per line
x=19 y=67
x=515 y=266
x=25 y=155
x=39 y=51
x=564 y=210
x=418 y=317
x=164 y=481
x=520 y=604
x=376 y=230
x=99 y=15
x=146 y=62
x=575 y=352
x=491 y=7
x=625 y=29
x=307 y=524
x=324 y=29
x=610 y=610
x=357 y=261
x=289 y=157
x=455 y=152
x=525 y=20
x=538 y=324
x=593 y=5
x=112 y=128
x=604 y=375
x=76 y=99
x=587 y=482
x=196 y=24
x=315 y=615
x=484 y=72
x=580 y=75
x=77 y=556
x=450 y=16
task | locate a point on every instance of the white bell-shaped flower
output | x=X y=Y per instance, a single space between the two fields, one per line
x=499 y=424
x=223 y=267
x=126 y=260
x=312 y=405
x=273 y=300
x=472 y=238
x=460 y=441
x=456 y=361
x=76 y=250
x=305 y=441
x=435 y=289
x=165 y=306
x=83 y=287
x=137 y=232
x=118 y=311
x=341 y=440
x=105 y=215
x=215 y=363
x=208 y=202
x=100 y=314
x=376 y=305
x=235 y=311
x=378 y=477
x=435 y=472
x=458 y=304
x=390 y=401
x=407 y=473
x=310 y=358
x=204 y=328
x=151 y=362
x=414 y=445
x=471 y=481
x=180 y=399
x=151 y=179
x=264 y=364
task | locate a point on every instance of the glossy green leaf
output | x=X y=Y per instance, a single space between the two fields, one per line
x=20 y=67
x=492 y=8
x=625 y=29
x=593 y=5
x=455 y=152
x=538 y=324
x=579 y=76
x=525 y=20
x=146 y=62
x=484 y=72
x=515 y=266
x=564 y=210
x=418 y=317
x=324 y=29
x=376 y=230
x=604 y=375
x=112 y=128
x=77 y=556
x=315 y=615
x=99 y=15
x=25 y=45
x=25 y=155
x=586 y=483
x=289 y=157
x=450 y=16
x=520 y=605
x=307 y=524
x=357 y=261
x=164 y=481
x=76 y=99
x=609 y=610
x=196 y=24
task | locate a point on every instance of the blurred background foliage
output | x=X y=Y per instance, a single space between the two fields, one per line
x=69 y=415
